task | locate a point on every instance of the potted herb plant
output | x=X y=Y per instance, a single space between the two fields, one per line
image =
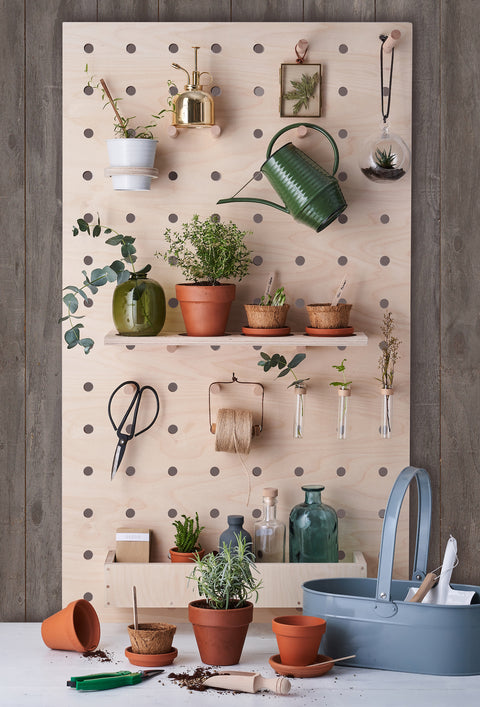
x=386 y=363
x=132 y=151
x=138 y=302
x=221 y=617
x=344 y=393
x=207 y=252
x=268 y=316
x=187 y=547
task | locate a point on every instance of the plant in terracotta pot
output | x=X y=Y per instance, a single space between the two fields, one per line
x=270 y=313
x=187 y=547
x=207 y=252
x=221 y=618
x=138 y=302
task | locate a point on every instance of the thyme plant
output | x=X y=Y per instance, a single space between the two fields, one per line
x=186 y=536
x=226 y=580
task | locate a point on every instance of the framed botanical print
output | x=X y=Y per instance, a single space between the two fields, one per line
x=300 y=90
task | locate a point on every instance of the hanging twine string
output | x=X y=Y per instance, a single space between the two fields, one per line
x=301 y=49
x=385 y=113
x=234 y=434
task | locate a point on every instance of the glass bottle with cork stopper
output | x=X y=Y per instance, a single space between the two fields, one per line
x=269 y=535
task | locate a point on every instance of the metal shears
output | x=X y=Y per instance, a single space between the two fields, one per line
x=124 y=437
x=107 y=681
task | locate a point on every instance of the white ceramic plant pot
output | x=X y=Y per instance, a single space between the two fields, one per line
x=131 y=152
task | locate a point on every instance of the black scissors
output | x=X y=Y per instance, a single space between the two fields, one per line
x=123 y=437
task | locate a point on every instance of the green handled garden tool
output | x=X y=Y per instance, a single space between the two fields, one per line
x=107 y=681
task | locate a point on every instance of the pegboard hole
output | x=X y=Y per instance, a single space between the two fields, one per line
x=216 y=48
x=88 y=48
x=258 y=48
x=173 y=48
x=215 y=90
x=258 y=91
x=131 y=48
x=88 y=132
x=130 y=90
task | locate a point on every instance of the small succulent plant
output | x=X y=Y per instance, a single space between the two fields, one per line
x=384 y=159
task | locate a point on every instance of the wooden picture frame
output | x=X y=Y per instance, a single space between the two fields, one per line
x=308 y=103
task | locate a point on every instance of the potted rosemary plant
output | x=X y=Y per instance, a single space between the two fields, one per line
x=221 y=617
x=269 y=314
x=187 y=547
x=206 y=252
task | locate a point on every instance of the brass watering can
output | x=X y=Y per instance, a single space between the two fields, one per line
x=310 y=194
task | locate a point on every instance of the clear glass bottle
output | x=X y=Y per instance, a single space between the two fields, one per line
x=269 y=536
x=300 y=393
x=343 y=395
x=386 y=419
x=313 y=529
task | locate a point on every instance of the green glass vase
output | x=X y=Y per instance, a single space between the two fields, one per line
x=138 y=307
x=313 y=529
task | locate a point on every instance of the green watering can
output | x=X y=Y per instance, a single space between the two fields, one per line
x=310 y=194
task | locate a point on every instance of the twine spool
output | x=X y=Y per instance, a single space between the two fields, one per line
x=233 y=431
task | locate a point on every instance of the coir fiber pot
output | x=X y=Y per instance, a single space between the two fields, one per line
x=176 y=556
x=328 y=316
x=220 y=633
x=74 y=628
x=153 y=638
x=262 y=316
x=298 y=638
x=205 y=308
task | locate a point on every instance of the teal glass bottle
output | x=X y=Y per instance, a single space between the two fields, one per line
x=313 y=529
x=138 y=306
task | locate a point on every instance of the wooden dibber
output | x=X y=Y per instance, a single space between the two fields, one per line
x=248 y=682
x=430 y=580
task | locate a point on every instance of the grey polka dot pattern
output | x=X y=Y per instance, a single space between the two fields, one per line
x=257 y=176
x=88 y=132
x=384 y=260
x=172 y=260
x=342 y=133
x=88 y=596
x=343 y=48
x=381 y=513
x=258 y=91
x=128 y=429
x=342 y=260
x=300 y=303
x=173 y=90
x=172 y=513
x=130 y=347
x=215 y=176
x=343 y=218
x=257 y=513
x=342 y=300
x=130 y=90
x=130 y=218
x=258 y=218
x=341 y=471
x=341 y=348
x=172 y=429
x=214 y=471
x=172 y=471
x=257 y=348
x=214 y=513
x=87 y=175
x=173 y=48
x=298 y=471
x=172 y=387
x=257 y=260
x=386 y=90
x=88 y=386
x=342 y=176
x=215 y=90
x=88 y=302
x=173 y=302
x=131 y=48
x=384 y=218
x=130 y=471
x=88 y=554
x=341 y=555
x=173 y=218
x=87 y=470
x=257 y=471
x=88 y=90
x=299 y=260
x=172 y=176
x=215 y=218
x=258 y=133
x=383 y=471
x=258 y=48
x=88 y=429
x=215 y=347
x=340 y=513
x=216 y=48
x=88 y=48
x=88 y=513
x=342 y=91
x=130 y=513
x=88 y=217
x=384 y=303
x=88 y=260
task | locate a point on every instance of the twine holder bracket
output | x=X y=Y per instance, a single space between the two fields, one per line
x=256 y=429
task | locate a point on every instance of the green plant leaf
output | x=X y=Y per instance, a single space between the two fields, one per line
x=267 y=366
x=75 y=231
x=114 y=240
x=128 y=250
x=98 y=277
x=144 y=270
x=265 y=356
x=87 y=344
x=297 y=359
x=122 y=277
x=110 y=273
x=282 y=362
x=285 y=372
x=96 y=231
x=71 y=302
x=83 y=225
x=138 y=290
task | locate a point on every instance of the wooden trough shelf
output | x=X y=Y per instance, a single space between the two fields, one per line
x=164 y=584
x=298 y=339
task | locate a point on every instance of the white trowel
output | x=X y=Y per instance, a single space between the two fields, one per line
x=441 y=592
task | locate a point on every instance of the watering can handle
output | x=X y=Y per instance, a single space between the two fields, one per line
x=389 y=530
x=314 y=127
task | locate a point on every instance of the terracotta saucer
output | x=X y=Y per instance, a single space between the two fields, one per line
x=251 y=331
x=301 y=671
x=149 y=660
x=313 y=331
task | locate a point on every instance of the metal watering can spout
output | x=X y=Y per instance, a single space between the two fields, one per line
x=310 y=194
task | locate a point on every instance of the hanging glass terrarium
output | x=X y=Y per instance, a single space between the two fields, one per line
x=385 y=156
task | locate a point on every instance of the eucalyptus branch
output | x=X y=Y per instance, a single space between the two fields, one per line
x=280 y=362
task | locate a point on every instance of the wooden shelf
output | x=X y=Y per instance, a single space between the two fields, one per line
x=174 y=339
x=164 y=584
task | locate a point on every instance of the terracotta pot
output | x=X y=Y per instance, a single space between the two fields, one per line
x=152 y=638
x=326 y=316
x=263 y=317
x=220 y=633
x=74 y=628
x=298 y=638
x=205 y=308
x=176 y=556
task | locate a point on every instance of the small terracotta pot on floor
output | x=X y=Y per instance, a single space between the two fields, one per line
x=298 y=638
x=74 y=628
